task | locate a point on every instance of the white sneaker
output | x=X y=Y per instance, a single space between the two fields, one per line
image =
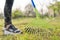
x=11 y=30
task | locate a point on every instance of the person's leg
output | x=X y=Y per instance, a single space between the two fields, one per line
x=7 y=12
x=9 y=27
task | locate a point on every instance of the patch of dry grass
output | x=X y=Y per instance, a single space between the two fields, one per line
x=34 y=29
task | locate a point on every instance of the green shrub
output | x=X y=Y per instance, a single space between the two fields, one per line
x=17 y=13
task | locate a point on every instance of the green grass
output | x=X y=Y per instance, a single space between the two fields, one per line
x=34 y=29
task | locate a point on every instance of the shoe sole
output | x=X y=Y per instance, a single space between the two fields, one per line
x=5 y=32
x=9 y=33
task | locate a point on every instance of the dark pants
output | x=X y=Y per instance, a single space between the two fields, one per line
x=7 y=11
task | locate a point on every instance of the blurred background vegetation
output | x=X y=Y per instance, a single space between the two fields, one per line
x=53 y=11
x=46 y=27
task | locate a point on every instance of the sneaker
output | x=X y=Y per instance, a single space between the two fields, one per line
x=11 y=30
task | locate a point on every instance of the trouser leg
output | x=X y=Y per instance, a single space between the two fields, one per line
x=7 y=12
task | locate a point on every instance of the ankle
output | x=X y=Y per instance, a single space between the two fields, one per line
x=7 y=26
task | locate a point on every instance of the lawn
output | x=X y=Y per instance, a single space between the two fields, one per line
x=34 y=29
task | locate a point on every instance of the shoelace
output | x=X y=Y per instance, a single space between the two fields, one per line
x=12 y=27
